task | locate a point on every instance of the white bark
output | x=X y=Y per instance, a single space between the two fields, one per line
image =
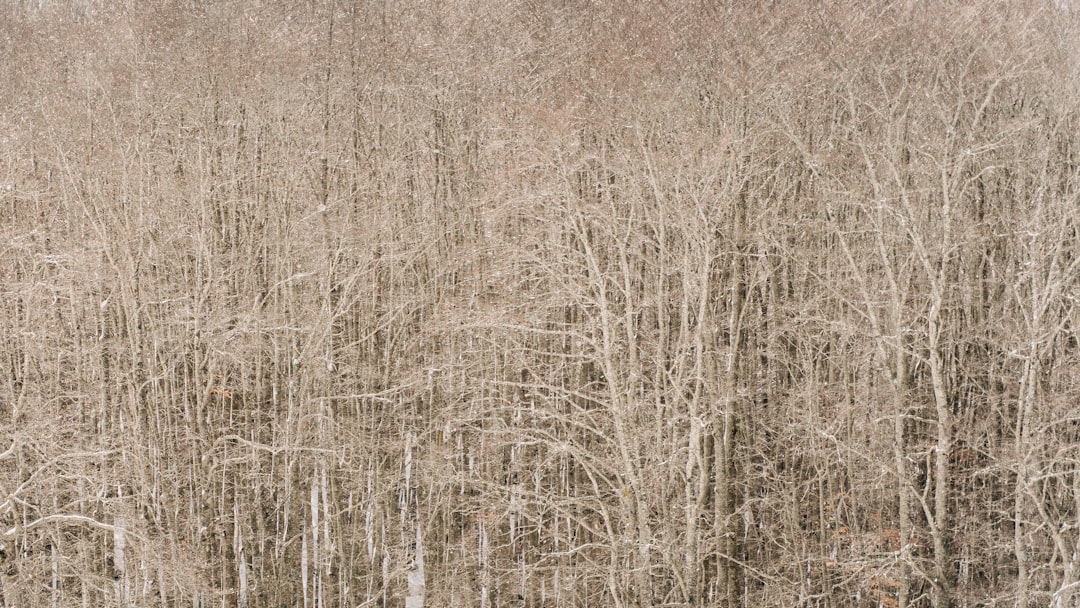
x=316 y=557
x=416 y=578
x=304 y=568
x=119 y=545
x=241 y=562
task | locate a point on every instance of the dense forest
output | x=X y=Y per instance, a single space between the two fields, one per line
x=584 y=303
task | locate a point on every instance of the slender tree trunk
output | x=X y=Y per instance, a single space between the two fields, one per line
x=940 y=529
x=902 y=486
x=1022 y=491
x=727 y=482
